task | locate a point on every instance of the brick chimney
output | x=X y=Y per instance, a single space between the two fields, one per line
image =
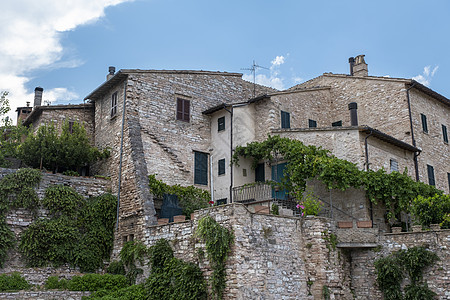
x=38 y=96
x=111 y=71
x=360 y=67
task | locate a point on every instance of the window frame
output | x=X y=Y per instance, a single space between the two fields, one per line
x=393 y=165
x=221 y=124
x=285 y=120
x=423 y=118
x=183 y=110
x=114 y=97
x=337 y=124
x=221 y=169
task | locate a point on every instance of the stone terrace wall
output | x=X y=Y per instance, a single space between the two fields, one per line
x=438 y=276
x=44 y=295
x=20 y=219
x=273 y=257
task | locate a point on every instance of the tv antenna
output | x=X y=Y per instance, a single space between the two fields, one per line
x=253 y=70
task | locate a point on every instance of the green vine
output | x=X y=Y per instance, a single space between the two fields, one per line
x=395 y=190
x=391 y=271
x=16 y=191
x=330 y=239
x=191 y=198
x=218 y=241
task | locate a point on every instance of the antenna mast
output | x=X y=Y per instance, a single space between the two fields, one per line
x=253 y=70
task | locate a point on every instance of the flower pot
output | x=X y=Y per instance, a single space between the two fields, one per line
x=179 y=218
x=163 y=221
x=192 y=216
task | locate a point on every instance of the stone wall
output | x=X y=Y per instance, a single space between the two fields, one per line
x=276 y=257
x=20 y=219
x=44 y=295
x=273 y=257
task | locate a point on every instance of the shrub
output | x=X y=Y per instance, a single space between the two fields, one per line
x=95 y=282
x=13 y=282
x=62 y=200
x=134 y=292
x=53 y=283
x=7 y=240
x=116 y=268
x=431 y=210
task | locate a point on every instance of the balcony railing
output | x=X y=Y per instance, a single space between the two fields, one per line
x=252 y=193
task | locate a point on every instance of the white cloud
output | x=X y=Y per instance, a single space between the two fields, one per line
x=30 y=39
x=426 y=76
x=273 y=80
x=297 y=79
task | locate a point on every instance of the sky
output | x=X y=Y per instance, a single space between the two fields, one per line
x=66 y=46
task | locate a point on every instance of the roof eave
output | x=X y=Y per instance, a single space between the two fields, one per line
x=107 y=85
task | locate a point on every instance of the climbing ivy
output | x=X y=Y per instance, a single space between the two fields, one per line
x=191 y=198
x=391 y=271
x=16 y=190
x=432 y=210
x=218 y=241
x=395 y=190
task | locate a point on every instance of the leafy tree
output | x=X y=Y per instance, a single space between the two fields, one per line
x=70 y=150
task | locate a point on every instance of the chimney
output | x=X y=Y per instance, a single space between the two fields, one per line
x=360 y=67
x=38 y=96
x=353 y=107
x=28 y=103
x=111 y=70
x=351 y=61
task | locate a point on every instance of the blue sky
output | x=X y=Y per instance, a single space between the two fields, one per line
x=66 y=46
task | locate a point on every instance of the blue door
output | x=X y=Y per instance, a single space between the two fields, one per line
x=277 y=176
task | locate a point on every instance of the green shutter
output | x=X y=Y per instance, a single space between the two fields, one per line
x=221 y=166
x=201 y=168
x=424 y=123
x=285 y=119
x=431 y=180
x=444 y=133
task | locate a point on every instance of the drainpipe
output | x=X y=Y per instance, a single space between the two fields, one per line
x=121 y=152
x=231 y=150
x=367 y=169
x=416 y=164
x=211 y=175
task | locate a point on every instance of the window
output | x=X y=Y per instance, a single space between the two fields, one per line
x=183 y=108
x=221 y=166
x=200 y=168
x=71 y=127
x=337 y=124
x=113 y=104
x=444 y=133
x=424 y=123
x=221 y=124
x=394 y=165
x=221 y=201
x=430 y=170
x=312 y=123
x=259 y=173
x=285 y=120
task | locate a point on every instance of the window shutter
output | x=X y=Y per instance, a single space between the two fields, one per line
x=201 y=168
x=221 y=124
x=424 y=123
x=285 y=119
x=312 y=123
x=259 y=173
x=221 y=166
x=430 y=170
x=186 y=110
x=444 y=133
x=179 y=109
x=394 y=165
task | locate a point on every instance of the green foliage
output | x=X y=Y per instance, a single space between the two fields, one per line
x=70 y=150
x=116 y=268
x=133 y=292
x=389 y=277
x=392 y=269
x=330 y=239
x=177 y=280
x=13 y=282
x=132 y=252
x=80 y=232
x=71 y=173
x=275 y=209
x=312 y=205
x=62 y=200
x=445 y=224
x=95 y=282
x=53 y=283
x=326 y=292
x=419 y=292
x=159 y=253
x=190 y=198
x=7 y=240
x=218 y=242
x=395 y=189
x=431 y=210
